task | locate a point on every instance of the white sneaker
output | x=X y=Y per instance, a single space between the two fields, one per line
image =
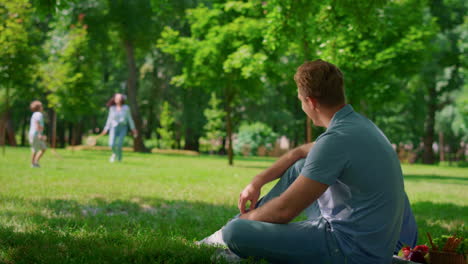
x=112 y=158
x=216 y=239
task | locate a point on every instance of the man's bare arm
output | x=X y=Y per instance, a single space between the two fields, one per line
x=281 y=210
x=252 y=191
x=281 y=165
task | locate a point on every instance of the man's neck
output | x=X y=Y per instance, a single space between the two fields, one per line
x=328 y=113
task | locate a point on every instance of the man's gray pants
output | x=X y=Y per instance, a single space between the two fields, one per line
x=310 y=241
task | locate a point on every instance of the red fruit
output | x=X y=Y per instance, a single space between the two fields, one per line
x=417 y=256
x=421 y=248
x=406 y=251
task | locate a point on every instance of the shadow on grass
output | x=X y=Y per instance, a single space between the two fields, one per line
x=440 y=219
x=462 y=180
x=139 y=230
x=142 y=229
x=250 y=166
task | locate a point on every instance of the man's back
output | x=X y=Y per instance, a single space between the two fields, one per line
x=365 y=201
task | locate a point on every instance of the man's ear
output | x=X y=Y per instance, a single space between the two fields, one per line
x=312 y=102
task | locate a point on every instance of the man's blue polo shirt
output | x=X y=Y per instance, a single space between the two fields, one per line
x=364 y=203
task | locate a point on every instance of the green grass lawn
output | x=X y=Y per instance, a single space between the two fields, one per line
x=79 y=208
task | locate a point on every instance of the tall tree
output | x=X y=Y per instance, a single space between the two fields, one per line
x=296 y=27
x=17 y=56
x=442 y=73
x=166 y=130
x=223 y=52
x=68 y=75
x=133 y=22
x=214 y=127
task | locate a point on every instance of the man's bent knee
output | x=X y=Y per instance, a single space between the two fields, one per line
x=235 y=235
x=237 y=231
x=231 y=230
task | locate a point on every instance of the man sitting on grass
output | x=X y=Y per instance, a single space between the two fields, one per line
x=350 y=186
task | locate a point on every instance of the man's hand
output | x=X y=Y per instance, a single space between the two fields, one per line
x=284 y=208
x=135 y=133
x=250 y=193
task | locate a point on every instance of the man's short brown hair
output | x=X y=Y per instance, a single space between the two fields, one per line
x=321 y=80
x=35 y=106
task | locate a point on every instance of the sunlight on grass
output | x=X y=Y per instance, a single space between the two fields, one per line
x=152 y=207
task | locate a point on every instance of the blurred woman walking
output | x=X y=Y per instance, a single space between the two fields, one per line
x=117 y=124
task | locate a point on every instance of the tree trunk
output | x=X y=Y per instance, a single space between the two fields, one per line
x=191 y=142
x=7 y=130
x=76 y=133
x=73 y=135
x=52 y=128
x=138 y=144
x=192 y=111
x=23 y=129
x=222 y=150
x=70 y=133
x=229 y=135
x=79 y=134
x=428 y=140
x=10 y=130
x=6 y=126
x=62 y=130
x=228 y=110
x=3 y=122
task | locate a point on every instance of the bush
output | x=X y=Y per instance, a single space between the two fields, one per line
x=252 y=136
x=166 y=131
x=214 y=127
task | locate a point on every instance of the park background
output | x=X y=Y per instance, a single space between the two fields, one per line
x=216 y=78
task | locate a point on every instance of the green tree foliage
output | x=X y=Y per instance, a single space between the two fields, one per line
x=16 y=54
x=404 y=63
x=252 y=136
x=214 y=127
x=373 y=51
x=451 y=125
x=17 y=60
x=69 y=73
x=338 y=31
x=133 y=23
x=223 y=52
x=442 y=72
x=166 y=130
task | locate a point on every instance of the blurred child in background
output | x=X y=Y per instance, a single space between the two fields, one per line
x=36 y=130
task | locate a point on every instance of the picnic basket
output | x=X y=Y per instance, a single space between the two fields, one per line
x=444 y=257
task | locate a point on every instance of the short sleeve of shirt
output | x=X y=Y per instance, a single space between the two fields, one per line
x=37 y=117
x=326 y=160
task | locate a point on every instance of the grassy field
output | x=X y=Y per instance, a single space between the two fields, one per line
x=79 y=208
